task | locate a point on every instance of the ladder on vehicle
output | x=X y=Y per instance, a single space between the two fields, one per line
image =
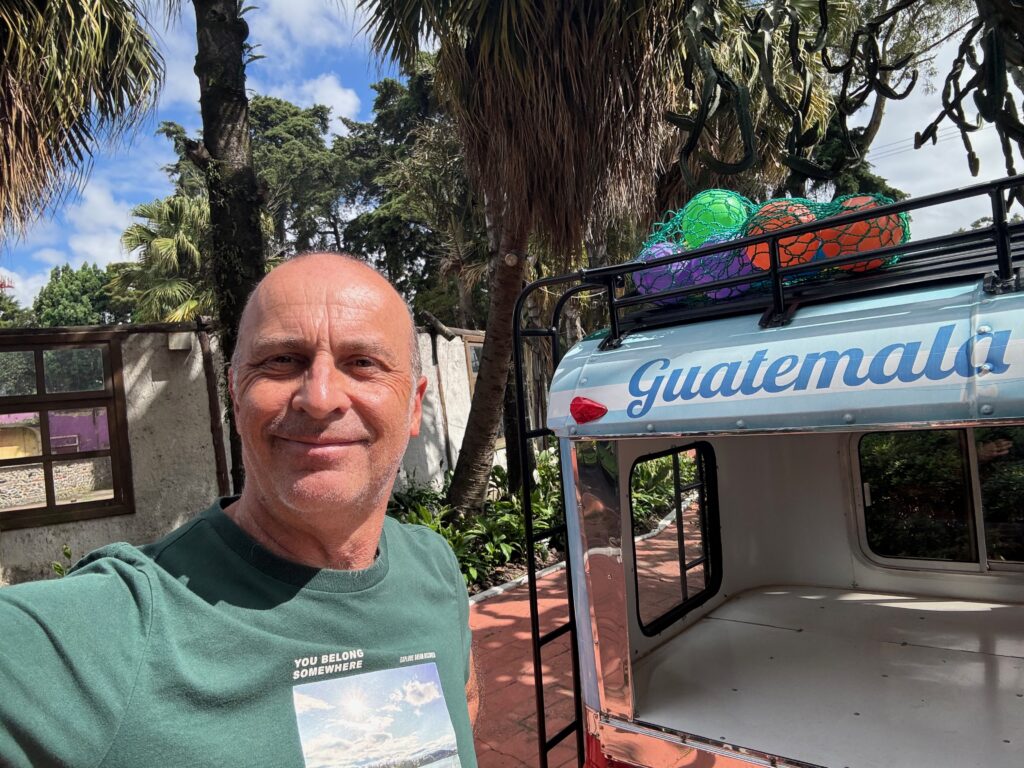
x=527 y=435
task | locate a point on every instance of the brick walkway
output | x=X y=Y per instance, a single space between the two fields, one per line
x=506 y=732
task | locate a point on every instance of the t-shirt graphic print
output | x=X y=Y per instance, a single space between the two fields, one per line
x=390 y=718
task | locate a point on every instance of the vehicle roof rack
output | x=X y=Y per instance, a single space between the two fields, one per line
x=989 y=252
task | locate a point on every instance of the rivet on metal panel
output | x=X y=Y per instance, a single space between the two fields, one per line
x=650 y=427
x=987 y=410
x=848 y=418
x=984 y=329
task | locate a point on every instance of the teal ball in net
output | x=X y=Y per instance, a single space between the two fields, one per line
x=714 y=212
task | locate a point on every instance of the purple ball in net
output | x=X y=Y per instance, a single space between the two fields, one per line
x=663 y=277
x=722 y=265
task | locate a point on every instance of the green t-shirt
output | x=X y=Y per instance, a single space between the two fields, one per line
x=205 y=649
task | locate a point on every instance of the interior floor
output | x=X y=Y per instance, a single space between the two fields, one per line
x=848 y=679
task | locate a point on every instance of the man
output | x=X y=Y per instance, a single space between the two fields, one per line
x=292 y=626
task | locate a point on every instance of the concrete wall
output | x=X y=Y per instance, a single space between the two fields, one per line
x=427 y=458
x=173 y=464
x=172 y=454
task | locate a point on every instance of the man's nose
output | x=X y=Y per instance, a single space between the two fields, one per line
x=324 y=389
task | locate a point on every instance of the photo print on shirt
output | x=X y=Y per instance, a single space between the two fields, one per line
x=390 y=718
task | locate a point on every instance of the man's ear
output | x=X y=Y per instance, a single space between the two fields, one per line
x=417 y=407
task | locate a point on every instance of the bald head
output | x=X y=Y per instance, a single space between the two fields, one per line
x=323 y=270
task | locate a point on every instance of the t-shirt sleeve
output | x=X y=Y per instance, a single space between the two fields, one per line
x=70 y=651
x=462 y=599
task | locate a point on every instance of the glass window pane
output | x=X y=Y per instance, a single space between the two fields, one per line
x=22 y=487
x=1001 y=472
x=19 y=435
x=83 y=480
x=79 y=430
x=73 y=370
x=17 y=373
x=664 y=492
x=917 y=501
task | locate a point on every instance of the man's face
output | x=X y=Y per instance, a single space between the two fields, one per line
x=322 y=389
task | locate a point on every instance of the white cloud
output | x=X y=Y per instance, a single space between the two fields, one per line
x=26 y=284
x=52 y=256
x=324 y=89
x=289 y=32
x=305 y=703
x=97 y=221
x=419 y=694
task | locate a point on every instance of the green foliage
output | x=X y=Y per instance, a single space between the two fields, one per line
x=496 y=538
x=17 y=373
x=62 y=568
x=170 y=280
x=920 y=505
x=652 y=489
x=80 y=297
x=13 y=315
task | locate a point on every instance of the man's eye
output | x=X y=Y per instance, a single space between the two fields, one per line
x=363 y=362
x=281 y=361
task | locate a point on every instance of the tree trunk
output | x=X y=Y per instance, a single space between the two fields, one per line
x=236 y=238
x=510 y=427
x=469 y=481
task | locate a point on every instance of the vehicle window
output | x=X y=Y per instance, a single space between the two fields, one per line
x=917 y=499
x=1000 y=452
x=673 y=518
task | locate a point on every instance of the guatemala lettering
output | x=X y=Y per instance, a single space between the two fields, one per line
x=901 y=362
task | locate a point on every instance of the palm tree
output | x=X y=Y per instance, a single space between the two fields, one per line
x=557 y=106
x=169 y=278
x=71 y=75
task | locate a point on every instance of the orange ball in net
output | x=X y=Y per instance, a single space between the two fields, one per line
x=860 y=236
x=773 y=216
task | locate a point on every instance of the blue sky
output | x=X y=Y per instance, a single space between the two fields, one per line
x=316 y=54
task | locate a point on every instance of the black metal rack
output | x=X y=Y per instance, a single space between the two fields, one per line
x=989 y=252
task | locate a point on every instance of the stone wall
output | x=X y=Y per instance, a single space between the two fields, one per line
x=74 y=481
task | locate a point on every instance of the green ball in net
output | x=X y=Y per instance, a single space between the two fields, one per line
x=713 y=212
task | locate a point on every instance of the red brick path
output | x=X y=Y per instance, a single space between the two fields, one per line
x=506 y=731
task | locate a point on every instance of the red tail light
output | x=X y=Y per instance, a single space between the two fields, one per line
x=584 y=409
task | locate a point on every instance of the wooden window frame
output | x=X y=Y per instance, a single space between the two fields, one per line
x=111 y=397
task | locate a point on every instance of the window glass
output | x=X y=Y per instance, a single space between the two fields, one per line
x=79 y=430
x=20 y=435
x=1000 y=453
x=22 y=487
x=83 y=480
x=17 y=373
x=668 y=502
x=917 y=499
x=73 y=369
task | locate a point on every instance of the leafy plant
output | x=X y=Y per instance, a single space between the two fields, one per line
x=495 y=539
x=60 y=568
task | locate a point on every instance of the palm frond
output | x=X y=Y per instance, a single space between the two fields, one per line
x=72 y=75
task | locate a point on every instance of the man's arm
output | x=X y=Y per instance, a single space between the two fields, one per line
x=472 y=693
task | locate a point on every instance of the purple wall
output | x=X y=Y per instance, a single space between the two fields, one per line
x=90 y=426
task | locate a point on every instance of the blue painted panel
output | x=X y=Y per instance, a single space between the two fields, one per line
x=933 y=355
